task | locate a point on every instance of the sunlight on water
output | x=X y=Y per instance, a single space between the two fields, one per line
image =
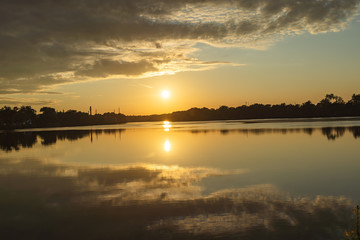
x=166 y=126
x=167 y=146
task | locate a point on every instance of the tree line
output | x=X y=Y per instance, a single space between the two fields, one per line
x=26 y=117
x=330 y=106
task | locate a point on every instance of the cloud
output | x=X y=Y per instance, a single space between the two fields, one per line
x=105 y=67
x=144 y=85
x=46 y=44
x=24 y=101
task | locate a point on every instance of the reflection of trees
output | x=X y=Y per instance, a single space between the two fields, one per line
x=10 y=141
x=110 y=131
x=14 y=140
x=224 y=131
x=50 y=137
x=308 y=130
x=355 y=131
x=337 y=132
x=332 y=133
x=259 y=131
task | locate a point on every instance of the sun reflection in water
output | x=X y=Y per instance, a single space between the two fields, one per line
x=166 y=126
x=167 y=146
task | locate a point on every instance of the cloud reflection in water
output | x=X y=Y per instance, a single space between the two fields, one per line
x=153 y=202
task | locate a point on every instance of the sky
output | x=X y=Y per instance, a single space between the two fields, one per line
x=123 y=54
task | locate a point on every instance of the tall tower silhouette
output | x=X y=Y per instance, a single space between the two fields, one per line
x=90 y=111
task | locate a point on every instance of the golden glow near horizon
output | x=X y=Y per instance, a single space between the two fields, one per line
x=165 y=94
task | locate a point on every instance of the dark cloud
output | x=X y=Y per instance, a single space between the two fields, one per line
x=46 y=43
x=105 y=67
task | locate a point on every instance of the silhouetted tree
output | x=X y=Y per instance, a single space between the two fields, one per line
x=332 y=99
x=308 y=109
x=26 y=115
x=355 y=99
x=48 y=116
x=7 y=116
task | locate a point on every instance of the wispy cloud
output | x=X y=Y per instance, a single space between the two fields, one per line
x=43 y=45
x=24 y=101
x=141 y=85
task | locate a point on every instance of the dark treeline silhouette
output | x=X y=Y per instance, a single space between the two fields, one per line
x=330 y=106
x=26 y=117
x=10 y=140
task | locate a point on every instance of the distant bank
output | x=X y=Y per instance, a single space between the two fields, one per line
x=26 y=117
x=332 y=107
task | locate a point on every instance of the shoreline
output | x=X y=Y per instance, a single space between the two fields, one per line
x=243 y=121
x=317 y=119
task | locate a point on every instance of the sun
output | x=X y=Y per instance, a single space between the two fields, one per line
x=165 y=94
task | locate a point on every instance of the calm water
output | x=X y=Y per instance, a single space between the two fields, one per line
x=194 y=180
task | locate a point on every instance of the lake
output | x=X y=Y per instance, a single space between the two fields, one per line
x=184 y=180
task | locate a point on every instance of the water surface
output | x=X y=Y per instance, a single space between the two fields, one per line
x=189 y=180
